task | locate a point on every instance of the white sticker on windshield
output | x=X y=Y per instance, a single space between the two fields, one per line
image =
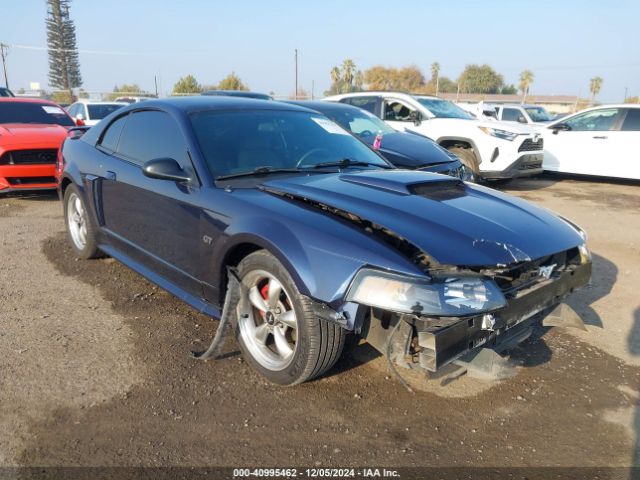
x=329 y=126
x=50 y=109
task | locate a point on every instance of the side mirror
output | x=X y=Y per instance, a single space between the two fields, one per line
x=416 y=117
x=560 y=126
x=165 y=169
x=521 y=119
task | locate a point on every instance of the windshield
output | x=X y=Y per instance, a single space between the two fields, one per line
x=243 y=141
x=443 y=108
x=538 y=114
x=101 y=110
x=23 y=112
x=360 y=123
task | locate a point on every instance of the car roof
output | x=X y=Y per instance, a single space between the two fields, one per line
x=382 y=93
x=198 y=103
x=238 y=93
x=322 y=106
x=41 y=101
x=92 y=102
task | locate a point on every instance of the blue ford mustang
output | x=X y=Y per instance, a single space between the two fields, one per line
x=273 y=216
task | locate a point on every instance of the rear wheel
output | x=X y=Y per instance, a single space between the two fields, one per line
x=278 y=333
x=469 y=159
x=80 y=228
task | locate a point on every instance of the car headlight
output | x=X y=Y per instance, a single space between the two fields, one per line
x=451 y=296
x=503 y=134
x=585 y=253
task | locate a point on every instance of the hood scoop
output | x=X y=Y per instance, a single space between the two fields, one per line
x=440 y=191
x=402 y=182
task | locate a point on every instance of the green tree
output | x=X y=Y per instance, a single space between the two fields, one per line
x=232 y=82
x=408 y=78
x=447 y=85
x=346 y=78
x=435 y=76
x=187 y=85
x=526 y=79
x=64 y=66
x=595 y=84
x=125 y=89
x=480 y=79
x=509 y=89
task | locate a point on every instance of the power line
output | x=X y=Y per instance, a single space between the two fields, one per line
x=97 y=52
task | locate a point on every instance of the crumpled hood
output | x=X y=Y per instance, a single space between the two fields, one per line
x=25 y=133
x=455 y=223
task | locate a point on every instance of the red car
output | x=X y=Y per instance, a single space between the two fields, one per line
x=31 y=133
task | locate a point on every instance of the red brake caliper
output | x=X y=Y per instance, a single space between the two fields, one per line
x=264 y=291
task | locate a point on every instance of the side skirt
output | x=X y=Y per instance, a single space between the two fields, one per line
x=197 y=303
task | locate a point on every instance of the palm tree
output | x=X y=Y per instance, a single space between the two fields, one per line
x=359 y=80
x=335 y=79
x=526 y=79
x=435 y=74
x=348 y=72
x=595 y=84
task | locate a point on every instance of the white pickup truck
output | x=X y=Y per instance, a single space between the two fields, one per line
x=491 y=149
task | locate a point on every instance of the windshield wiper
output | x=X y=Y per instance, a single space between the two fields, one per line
x=347 y=162
x=259 y=171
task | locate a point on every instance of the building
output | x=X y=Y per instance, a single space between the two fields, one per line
x=552 y=103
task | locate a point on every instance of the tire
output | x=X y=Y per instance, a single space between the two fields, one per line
x=80 y=228
x=469 y=159
x=265 y=320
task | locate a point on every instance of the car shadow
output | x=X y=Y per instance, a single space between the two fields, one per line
x=37 y=196
x=603 y=278
x=633 y=344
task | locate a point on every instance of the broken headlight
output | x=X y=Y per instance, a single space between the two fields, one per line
x=450 y=296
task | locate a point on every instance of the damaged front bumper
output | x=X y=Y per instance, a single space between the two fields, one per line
x=435 y=342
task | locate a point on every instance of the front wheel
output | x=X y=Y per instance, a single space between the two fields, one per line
x=277 y=330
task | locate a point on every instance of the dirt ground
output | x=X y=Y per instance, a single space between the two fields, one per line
x=94 y=369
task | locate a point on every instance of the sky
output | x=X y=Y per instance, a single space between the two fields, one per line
x=564 y=43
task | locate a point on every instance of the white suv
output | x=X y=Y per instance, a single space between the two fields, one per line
x=493 y=150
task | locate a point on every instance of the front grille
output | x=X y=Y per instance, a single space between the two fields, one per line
x=530 y=273
x=530 y=165
x=29 y=157
x=17 y=181
x=530 y=146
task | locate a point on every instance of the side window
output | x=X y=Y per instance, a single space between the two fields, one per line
x=111 y=136
x=397 y=111
x=632 y=120
x=594 y=121
x=510 y=114
x=366 y=103
x=148 y=135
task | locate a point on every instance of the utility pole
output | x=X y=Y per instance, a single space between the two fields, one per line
x=296 y=63
x=155 y=80
x=3 y=53
x=626 y=90
x=313 y=84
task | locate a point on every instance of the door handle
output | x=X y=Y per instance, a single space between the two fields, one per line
x=109 y=175
x=600 y=137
